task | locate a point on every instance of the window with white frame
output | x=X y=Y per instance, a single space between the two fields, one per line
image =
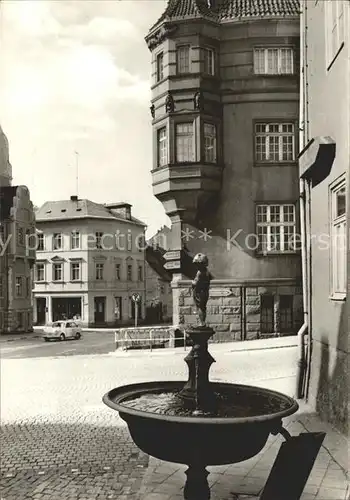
x=75 y=240
x=57 y=271
x=210 y=142
x=183 y=59
x=117 y=272
x=335 y=27
x=98 y=236
x=162 y=147
x=208 y=61
x=276 y=228
x=338 y=239
x=273 y=61
x=19 y=286
x=274 y=142
x=40 y=242
x=184 y=142
x=75 y=271
x=129 y=272
x=40 y=272
x=129 y=241
x=99 y=267
x=160 y=66
x=57 y=241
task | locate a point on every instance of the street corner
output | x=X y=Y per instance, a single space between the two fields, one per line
x=64 y=461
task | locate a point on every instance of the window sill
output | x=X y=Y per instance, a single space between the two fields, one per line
x=335 y=57
x=76 y=281
x=288 y=163
x=338 y=297
x=41 y=282
x=276 y=254
x=274 y=75
x=58 y=281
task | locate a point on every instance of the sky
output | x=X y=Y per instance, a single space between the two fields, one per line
x=75 y=77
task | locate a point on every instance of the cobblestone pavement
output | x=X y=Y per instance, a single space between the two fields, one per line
x=67 y=461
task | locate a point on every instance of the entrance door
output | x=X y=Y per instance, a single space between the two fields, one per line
x=100 y=310
x=41 y=310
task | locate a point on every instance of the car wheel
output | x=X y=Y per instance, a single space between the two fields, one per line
x=62 y=336
x=46 y=339
x=77 y=335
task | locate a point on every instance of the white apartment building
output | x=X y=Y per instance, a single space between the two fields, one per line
x=90 y=261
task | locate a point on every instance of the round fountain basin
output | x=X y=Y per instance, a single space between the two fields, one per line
x=161 y=427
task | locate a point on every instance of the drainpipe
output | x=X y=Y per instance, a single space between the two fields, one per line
x=309 y=287
x=302 y=364
x=304 y=328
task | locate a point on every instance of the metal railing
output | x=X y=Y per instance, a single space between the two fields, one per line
x=157 y=336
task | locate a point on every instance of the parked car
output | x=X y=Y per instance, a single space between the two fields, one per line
x=62 y=330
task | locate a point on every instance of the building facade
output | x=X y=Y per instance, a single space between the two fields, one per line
x=324 y=170
x=225 y=111
x=159 y=303
x=90 y=262
x=17 y=224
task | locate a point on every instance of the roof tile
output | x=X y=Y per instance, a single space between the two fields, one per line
x=81 y=209
x=228 y=9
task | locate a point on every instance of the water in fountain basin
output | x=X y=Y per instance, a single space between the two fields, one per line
x=228 y=405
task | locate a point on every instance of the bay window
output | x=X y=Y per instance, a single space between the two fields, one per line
x=162 y=147
x=210 y=143
x=184 y=142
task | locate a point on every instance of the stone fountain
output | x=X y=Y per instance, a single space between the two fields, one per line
x=200 y=423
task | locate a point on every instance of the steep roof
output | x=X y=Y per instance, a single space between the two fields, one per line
x=80 y=209
x=230 y=9
x=221 y=10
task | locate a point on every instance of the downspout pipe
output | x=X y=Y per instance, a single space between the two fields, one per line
x=301 y=364
x=309 y=288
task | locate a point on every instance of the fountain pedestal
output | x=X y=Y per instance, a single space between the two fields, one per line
x=197 y=393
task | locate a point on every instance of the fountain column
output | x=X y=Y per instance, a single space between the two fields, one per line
x=197 y=486
x=197 y=393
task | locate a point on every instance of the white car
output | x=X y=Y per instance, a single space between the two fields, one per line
x=62 y=330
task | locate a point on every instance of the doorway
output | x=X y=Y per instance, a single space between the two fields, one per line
x=100 y=310
x=40 y=311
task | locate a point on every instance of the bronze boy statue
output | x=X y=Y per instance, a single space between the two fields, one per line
x=200 y=286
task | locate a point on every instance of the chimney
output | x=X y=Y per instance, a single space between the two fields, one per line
x=74 y=198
